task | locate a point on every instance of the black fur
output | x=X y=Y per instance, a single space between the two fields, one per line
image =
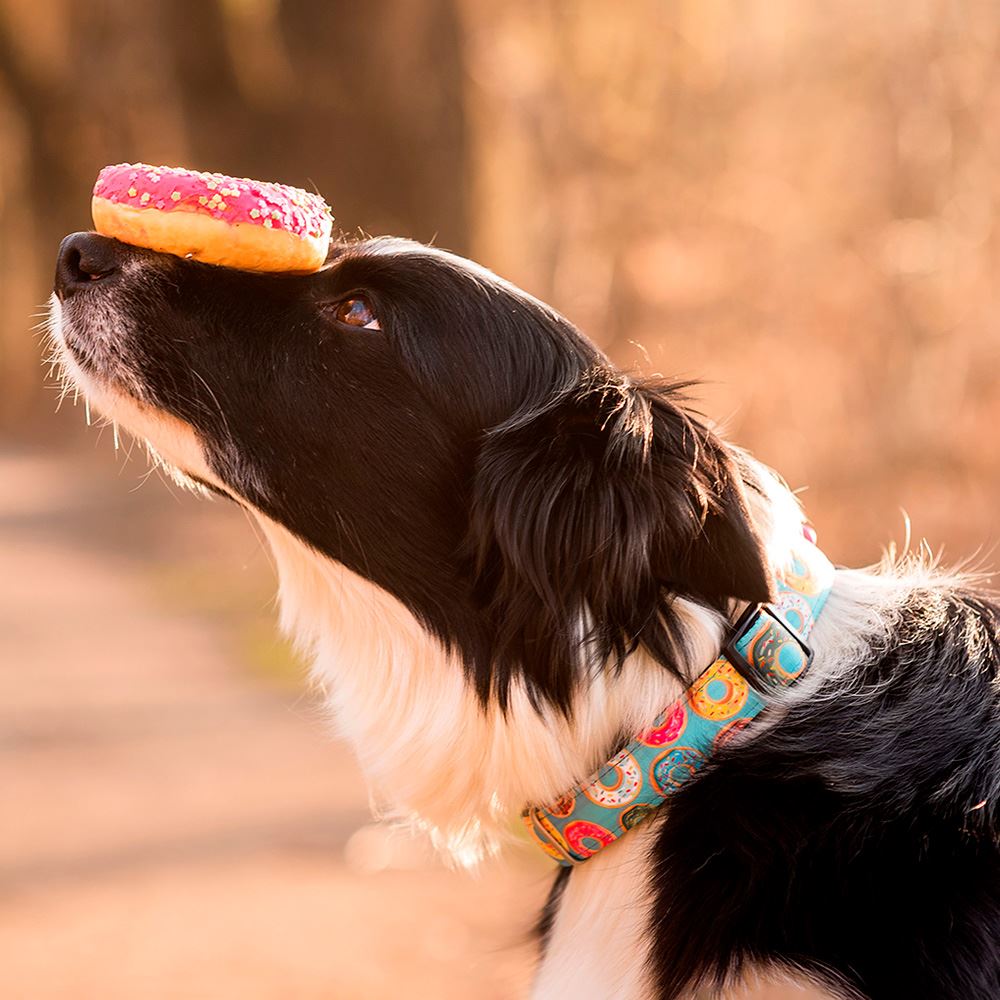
x=607 y=497
x=543 y=925
x=446 y=457
x=858 y=838
x=539 y=511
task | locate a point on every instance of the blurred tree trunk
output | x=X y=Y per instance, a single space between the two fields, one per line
x=567 y=108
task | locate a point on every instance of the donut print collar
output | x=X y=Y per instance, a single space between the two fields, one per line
x=766 y=652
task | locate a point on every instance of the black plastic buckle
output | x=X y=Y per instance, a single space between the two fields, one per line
x=759 y=679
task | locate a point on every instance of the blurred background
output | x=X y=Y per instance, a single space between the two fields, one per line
x=792 y=201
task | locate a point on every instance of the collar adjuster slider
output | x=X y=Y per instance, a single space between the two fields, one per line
x=761 y=673
x=766 y=652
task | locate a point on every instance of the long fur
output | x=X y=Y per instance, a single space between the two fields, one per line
x=503 y=557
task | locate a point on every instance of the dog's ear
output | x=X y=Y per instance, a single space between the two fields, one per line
x=707 y=546
x=590 y=513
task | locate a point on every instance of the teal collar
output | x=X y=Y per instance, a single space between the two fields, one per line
x=766 y=652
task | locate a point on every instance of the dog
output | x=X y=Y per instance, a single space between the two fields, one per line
x=504 y=556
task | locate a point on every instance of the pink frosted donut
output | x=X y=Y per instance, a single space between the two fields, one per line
x=251 y=225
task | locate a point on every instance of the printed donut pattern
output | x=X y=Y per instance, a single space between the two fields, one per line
x=618 y=785
x=802 y=576
x=730 y=731
x=676 y=720
x=563 y=806
x=587 y=838
x=671 y=769
x=794 y=609
x=719 y=693
x=714 y=710
x=773 y=651
x=634 y=816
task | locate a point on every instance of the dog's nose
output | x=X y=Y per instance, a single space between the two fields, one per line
x=83 y=259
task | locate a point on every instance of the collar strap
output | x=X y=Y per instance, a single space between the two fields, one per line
x=766 y=652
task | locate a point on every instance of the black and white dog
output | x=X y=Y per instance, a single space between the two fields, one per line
x=504 y=557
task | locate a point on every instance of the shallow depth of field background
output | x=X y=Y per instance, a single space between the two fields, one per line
x=795 y=202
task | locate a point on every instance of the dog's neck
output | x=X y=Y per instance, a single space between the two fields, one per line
x=429 y=748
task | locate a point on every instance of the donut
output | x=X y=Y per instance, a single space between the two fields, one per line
x=586 y=838
x=719 y=693
x=560 y=852
x=730 y=731
x=672 y=725
x=631 y=818
x=672 y=769
x=235 y=222
x=617 y=786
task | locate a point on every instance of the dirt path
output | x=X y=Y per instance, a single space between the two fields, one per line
x=173 y=823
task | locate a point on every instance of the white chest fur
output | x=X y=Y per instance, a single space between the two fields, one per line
x=430 y=749
x=598 y=943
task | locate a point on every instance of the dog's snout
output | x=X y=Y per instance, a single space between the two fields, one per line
x=83 y=259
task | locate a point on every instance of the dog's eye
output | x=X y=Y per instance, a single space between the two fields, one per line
x=357 y=312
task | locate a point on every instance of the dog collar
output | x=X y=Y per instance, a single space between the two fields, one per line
x=766 y=652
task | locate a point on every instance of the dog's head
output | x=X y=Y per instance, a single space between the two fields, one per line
x=433 y=428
